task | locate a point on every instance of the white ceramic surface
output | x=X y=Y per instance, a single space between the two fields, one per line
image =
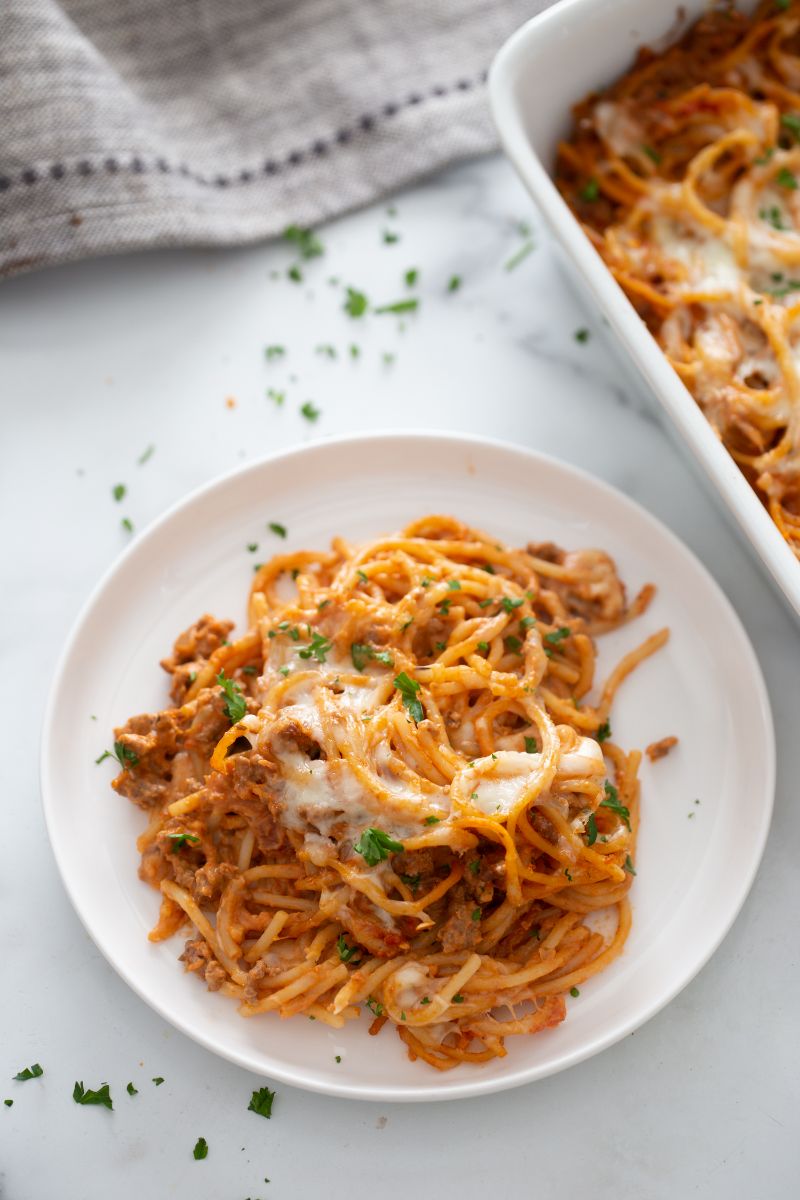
x=695 y=862
x=545 y=67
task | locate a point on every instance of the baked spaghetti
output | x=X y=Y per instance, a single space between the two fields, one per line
x=394 y=792
x=685 y=176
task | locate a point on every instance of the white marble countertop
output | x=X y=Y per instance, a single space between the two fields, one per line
x=101 y=360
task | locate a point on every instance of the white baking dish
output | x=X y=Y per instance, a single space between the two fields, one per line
x=541 y=71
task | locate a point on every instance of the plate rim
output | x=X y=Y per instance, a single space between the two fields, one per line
x=475 y=1085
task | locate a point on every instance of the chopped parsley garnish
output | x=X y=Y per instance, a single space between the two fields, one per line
x=652 y=154
x=483 y=646
x=612 y=801
x=628 y=865
x=557 y=635
x=444 y=606
x=32 y=1072
x=180 y=839
x=276 y=528
x=508 y=604
x=131 y=1090
x=356 y=303
x=411 y=881
x=158 y=1080
x=476 y=914
x=345 y=952
x=252 y=547
x=765 y=157
x=512 y=644
x=603 y=732
x=327 y=350
x=361 y=653
x=489 y=568
x=411 y=277
x=363 y=576
x=127 y=524
x=146 y=454
x=399 y=306
x=475 y=866
x=308 y=411
x=408 y=689
x=123 y=754
x=573 y=991
x=568 y=874
x=118 y=491
x=581 y=335
x=200 y=1148
x=431 y=821
x=531 y=746
x=535 y=932
x=306 y=241
x=338 y=1059
x=374 y=1006
x=792 y=123
x=295 y=274
x=591 y=830
x=82 y=1095
x=278 y=397
x=454 y=585
x=458 y=998
x=235 y=704
x=782 y=5
x=318 y=648
x=786 y=179
x=273 y=352
x=425 y=1000
x=590 y=190
x=355 y=351
x=261 y=1102
x=374 y=846
x=8 y=1103
x=772 y=216
x=390 y=237
x=485 y=603
x=454 y=283
x=527 y=622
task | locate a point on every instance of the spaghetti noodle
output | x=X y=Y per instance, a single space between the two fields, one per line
x=394 y=791
x=685 y=176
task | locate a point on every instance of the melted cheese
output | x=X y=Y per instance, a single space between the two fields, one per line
x=498 y=783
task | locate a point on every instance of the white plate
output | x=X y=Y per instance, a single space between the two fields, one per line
x=705 y=686
x=543 y=69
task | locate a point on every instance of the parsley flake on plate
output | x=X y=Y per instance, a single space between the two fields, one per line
x=603 y=732
x=362 y=653
x=261 y=1102
x=346 y=951
x=273 y=352
x=32 y=1072
x=374 y=846
x=399 y=306
x=276 y=528
x=200 y=1149
x=591 y=830
x=557 y=635
x=101 y=1095
x=118 y=491
x=612 y=801
x=131 y=1090
x=123 y=754
x=356 y=303
x=319 y=647
x=306 y=241
x=180 y=839
x=309 y=411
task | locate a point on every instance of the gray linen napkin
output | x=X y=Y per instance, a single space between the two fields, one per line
x=136 y=123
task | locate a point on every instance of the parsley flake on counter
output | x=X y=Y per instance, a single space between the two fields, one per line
x=200 y=1148
x=591 y=830
x=356 y=303
x=118 y=491
x=590 y=190
x=273 y=352
x=531 y=746
x=374 y=846
x=612 y=801
x=346 y=952
x=603 y=732
x=411 y=276
x=123 y=754
x=261 y=1102
x=131 y=1090
x=276 y=528
x=408 y=689
x=158 y=1080
x=235 y=704
x=32 y=1072
x=454 y=283
x=308 y=411
x=307 y=243
x=101 y=1095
